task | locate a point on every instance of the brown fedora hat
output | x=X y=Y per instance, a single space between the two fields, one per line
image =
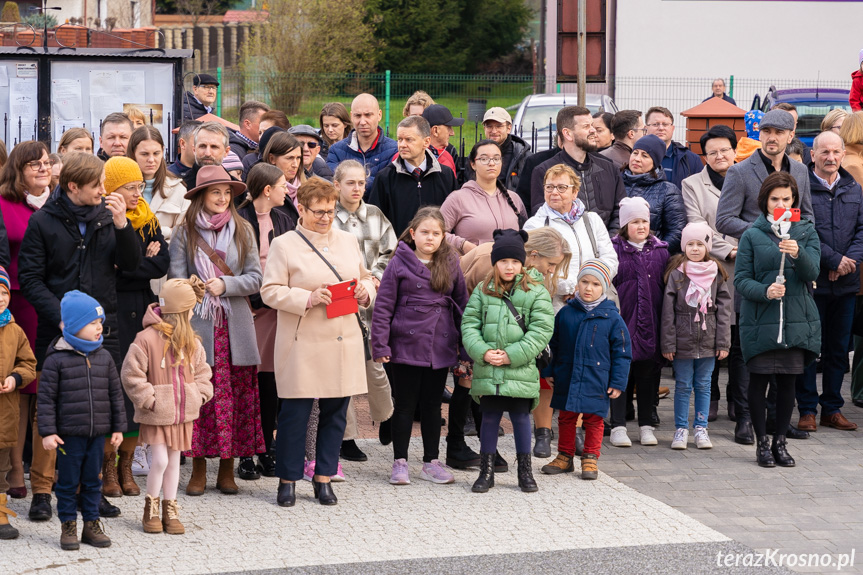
x=209 y=175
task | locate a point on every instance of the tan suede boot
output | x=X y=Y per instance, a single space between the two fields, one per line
x=151 y=515
x=225 y=481
x=198 y=481
x=110 y=484
x=171 y=518
x=126 y=479
x=6 y=530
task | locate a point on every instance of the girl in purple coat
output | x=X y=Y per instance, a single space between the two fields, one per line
x=415 y=328
x=642 y=259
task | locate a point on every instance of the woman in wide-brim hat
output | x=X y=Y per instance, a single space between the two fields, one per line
x=230 y=424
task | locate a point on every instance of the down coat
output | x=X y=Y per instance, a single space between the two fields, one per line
x=639 y=286
x=590 y=352
x=489 y=324
x=667 y=214
x=682 y=334
x=758 y=260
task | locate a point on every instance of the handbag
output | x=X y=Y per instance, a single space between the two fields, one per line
x=365 y=330
x=223 y=267
x=544 y=357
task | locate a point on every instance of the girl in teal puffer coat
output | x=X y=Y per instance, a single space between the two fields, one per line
x=504 y=348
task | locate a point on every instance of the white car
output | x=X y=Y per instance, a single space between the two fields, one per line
x=536 y=112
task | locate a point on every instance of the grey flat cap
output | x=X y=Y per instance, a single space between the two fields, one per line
x=304 y=130
x=778 y=119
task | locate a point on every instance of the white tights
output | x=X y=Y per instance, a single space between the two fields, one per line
x=164 y=472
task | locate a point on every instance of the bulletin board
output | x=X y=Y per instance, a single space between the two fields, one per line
x=18 y=89
x=84 y=92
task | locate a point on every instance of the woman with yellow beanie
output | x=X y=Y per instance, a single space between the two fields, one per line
x=123 y=176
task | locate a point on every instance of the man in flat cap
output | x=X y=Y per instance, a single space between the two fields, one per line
x=201 y=99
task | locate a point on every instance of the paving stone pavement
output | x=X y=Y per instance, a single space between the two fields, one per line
x=659 y=512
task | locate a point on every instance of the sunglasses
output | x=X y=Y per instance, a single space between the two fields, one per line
x=310 y=145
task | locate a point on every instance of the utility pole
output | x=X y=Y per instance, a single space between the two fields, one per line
x=582 y=51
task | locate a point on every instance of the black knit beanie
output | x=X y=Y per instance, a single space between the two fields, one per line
x=508 y=244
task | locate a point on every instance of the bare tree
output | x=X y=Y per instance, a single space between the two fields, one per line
x=197 y=9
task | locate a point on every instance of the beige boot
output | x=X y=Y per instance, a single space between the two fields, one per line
x=6 y=530
x=171 y=517
x=151 y=515
x=225 y=481
x=198 y=481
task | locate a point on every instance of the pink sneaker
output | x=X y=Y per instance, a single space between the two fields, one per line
x=309 y=470
x=400 y=475
x=436 y=472
x=339 y=476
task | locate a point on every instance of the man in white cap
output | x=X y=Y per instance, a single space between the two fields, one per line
x=497 y=125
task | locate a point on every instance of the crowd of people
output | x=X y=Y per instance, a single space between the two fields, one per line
x=231 y=304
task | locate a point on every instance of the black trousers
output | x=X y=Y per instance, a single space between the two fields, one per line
x=643 y=377
x=412 y=386
x=786 y=388
x=269 y=399
x=738 y=375
x=291 y=439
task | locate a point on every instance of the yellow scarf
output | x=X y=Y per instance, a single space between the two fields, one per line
x=143 y=217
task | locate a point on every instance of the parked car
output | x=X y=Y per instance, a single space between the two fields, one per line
x=812 y=105
x=536 y=118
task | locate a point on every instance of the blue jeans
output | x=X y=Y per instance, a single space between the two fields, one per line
x=837 y=314
x=689 y=374
x=79 y=461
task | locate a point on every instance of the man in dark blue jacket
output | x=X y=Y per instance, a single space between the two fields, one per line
x=718 y=88
x=679 y=162
x=837 y=200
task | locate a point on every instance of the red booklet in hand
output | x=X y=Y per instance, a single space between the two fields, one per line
x=344 y=302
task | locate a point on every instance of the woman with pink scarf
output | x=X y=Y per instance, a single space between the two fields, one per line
x=696 y=328
x=218 y=245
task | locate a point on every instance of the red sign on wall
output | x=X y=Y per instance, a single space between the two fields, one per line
x=567 y=40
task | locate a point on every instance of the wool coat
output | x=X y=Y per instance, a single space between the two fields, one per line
x=489 y=324
x=17 y=360
x=590 y=352
x=316 y=356
x=758 y=261
x=153 y=383
x=171 y=209
x=682 y=333
x=245 y=282
x=738 y=204
x=700 y=198
x=667 y=215
x=413 y=324
x=639 y=286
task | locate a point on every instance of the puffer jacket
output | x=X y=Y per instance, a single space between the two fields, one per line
x=374 y=159
x=855 y=96
x=16 y=360
x=757 y=265
x=639 y=287
x=667 y=213
x=79 y=395
x=682 y=333
x=590 y=352
x=839 y=213
x=164 y=394
x=489 y=324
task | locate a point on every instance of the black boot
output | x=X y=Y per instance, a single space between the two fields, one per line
x=485 y=481
x=525 y=474
x=780 y=454
x=385 y=432
x=107 y=509
x=461 y=456
x=542 y=447
x=500 y=464
x=763 y=454
x=744 y=434
x=246 y=469
x=352 y=452
x=794 y=433
x=579 y=441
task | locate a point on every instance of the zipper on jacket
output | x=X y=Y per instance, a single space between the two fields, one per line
x=593 y=337
x=89 y=393
x=623 y=339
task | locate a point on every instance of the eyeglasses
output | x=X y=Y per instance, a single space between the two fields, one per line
x=310 y=145
x=660 y=125
x=36 y=165
x=642 y=131
x=319 y=214
x=486 y=161
x=134 y=187
x=561 y=188
x=208 y=87
x=720 y=152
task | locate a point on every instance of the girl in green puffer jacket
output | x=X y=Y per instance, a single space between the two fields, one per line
x=505 y=377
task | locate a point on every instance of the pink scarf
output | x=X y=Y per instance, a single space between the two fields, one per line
x=218 y=232
x=292 y=188
x=701 y=277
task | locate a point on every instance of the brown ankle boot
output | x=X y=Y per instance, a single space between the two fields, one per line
x=6 y=530
x=94 y=534
x=198 y=481
x=151 y=515
x=110 y=484
x=126 y=479
x=171 y=518
x=225 y=481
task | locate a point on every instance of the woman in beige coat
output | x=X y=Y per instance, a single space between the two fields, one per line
x=296 y=284
x=700 y=197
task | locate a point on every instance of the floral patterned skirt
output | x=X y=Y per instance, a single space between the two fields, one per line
x=230 y=423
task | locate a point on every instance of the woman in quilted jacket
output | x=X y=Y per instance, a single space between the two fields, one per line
x=504 y=348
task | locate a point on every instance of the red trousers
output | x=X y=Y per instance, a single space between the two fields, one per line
x=593 y=429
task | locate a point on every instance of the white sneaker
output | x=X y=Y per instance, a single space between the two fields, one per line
x=619 y=437
x=647 y=437
x=681 y=436
x=141 y=460
x=702 y=440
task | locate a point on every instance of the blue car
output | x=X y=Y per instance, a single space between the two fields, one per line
x=812 y=105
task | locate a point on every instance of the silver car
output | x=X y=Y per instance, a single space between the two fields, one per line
x=537 y=112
